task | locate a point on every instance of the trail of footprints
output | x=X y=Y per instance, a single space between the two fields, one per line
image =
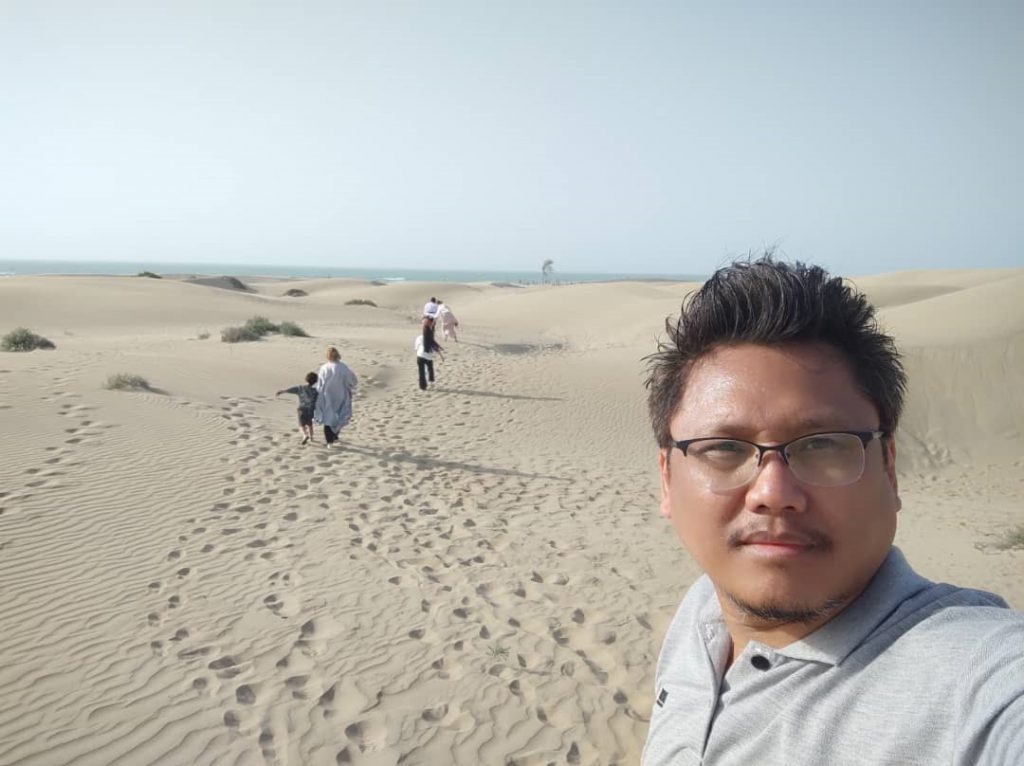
x=80 y=433
x=455 y=532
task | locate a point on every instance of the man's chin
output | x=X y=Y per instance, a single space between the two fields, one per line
x=765 y=609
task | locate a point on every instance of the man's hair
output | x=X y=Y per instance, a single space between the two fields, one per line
x=311 y=378
x=772 y=303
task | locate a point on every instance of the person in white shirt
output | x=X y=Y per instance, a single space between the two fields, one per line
x=430 y=308
x=426 y=347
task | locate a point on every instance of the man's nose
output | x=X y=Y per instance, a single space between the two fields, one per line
x=774 y=489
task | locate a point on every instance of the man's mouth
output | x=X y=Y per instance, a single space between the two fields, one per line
x=773 y=544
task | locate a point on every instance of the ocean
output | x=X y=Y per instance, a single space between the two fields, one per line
x=117 y=268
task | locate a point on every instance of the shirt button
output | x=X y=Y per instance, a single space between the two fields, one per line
x=760 y=662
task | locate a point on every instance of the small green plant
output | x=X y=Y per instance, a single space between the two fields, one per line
x=360 y=302
x=292 y=330
x=1012 y=539
x=295 y=293
x=150 y=274
x=203 y=335
x=21 y=339
x=238 y=335
x=261 y=326
x=498 y=651
x=124 y=381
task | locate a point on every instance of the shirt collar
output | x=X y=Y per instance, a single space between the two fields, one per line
x=891 y=586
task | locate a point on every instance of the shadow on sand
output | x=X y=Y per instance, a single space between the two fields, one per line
x=471 y=392
x=516 y=349
x=423 y=461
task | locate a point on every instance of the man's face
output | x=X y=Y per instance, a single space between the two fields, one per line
x=776 y=544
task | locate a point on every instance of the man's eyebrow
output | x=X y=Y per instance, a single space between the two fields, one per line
x=808 y=425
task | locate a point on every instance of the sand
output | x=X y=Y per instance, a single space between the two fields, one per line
x=478 y=576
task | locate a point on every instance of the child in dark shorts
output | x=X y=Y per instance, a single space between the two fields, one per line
x=307 y=403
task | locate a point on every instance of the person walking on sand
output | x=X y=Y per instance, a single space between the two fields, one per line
x=448 y=322
x=336 y=385
x=307 y=404
x=430 y=308
x=426 y=347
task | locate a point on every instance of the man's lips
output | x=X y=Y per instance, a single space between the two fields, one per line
x=785 y=539
x=779 y=542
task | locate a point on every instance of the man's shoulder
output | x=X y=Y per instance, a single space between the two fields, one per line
x=699 y=606
x=955 y=613
x=967 y=623
x=971 y=634
x=700 y=599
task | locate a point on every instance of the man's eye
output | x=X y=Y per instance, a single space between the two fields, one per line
x=818 y=443
x=722 y=448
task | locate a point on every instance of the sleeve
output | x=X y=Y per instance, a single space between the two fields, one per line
x=321 y=376
x=292 y=390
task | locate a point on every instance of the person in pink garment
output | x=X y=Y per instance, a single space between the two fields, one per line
x=448 y=322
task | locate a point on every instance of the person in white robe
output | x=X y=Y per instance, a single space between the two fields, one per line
x=335 y=385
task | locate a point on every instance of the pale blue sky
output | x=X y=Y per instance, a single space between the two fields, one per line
x=625 y=137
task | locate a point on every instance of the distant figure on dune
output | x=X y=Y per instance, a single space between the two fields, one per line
x=809 y=639
x=336 y=385
x=307 y=404
x=448 y=322
x=430 y=308
x=426 y=347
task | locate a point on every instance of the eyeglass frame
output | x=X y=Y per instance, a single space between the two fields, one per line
x=866 y=437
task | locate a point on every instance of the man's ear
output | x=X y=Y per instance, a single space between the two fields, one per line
x=889 y=445
x=663 y=470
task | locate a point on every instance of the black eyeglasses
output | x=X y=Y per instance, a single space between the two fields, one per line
x=830 y=459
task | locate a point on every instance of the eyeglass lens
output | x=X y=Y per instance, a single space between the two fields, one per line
x=822 y=460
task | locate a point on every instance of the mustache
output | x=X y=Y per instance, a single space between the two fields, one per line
x=809 y=537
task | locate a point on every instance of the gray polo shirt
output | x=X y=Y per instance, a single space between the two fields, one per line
x=912 y=672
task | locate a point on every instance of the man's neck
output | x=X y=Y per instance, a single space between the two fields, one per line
x=744 y=627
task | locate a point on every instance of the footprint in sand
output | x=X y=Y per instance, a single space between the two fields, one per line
x=573 y=756
x=369 y=734
x=435 y=714
x=245 y=695
x=297 y=686
x=266 y=741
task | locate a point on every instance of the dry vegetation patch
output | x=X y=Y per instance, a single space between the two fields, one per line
x=22 y=339
x=257 y=327
x=126 y=381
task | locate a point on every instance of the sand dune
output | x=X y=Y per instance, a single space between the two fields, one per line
x=478 y=576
